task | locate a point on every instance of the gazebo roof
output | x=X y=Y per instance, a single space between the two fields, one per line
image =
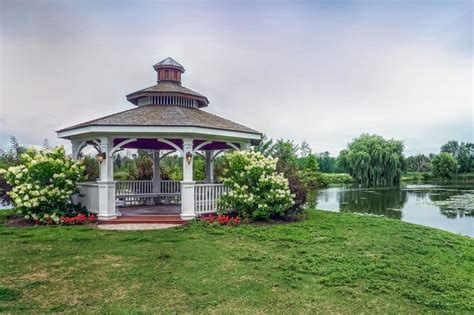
x=167 y=109
x=167 y=87
x=165 y=116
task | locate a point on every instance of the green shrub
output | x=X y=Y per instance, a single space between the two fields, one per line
x=43 y=183
x=258 y=191
x=337 y=178
x=313 y=180
x=416 y=176
x=297 y=184
x=444 y=165
x=122 y=175
x=8 y=294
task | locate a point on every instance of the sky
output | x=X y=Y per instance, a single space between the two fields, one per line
x=316 y=71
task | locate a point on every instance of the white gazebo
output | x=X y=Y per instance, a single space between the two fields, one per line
x=167 y=119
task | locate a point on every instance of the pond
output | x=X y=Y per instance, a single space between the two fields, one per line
x=448 y=207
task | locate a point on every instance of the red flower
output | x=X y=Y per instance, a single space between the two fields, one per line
x=222 y=219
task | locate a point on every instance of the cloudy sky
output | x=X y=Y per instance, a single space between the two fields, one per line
x=323 y=71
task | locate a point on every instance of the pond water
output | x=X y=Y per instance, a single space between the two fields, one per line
x=4 y=207
x=448 y=207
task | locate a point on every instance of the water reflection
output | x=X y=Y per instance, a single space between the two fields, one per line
x=388 y=202
x=447 y=206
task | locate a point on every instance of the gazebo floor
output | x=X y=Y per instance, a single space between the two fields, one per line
x=148 y=214
x=150 y=210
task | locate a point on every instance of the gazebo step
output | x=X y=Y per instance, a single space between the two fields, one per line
x=170 y=219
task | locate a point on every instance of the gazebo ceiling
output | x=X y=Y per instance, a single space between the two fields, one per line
x=155 y=144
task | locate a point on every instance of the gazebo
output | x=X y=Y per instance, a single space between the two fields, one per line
x=167 y=118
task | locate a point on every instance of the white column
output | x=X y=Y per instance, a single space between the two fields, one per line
x=187 y=184
x=209 y=166
x=107 y=210
x=245 y=146
x=75 y=149
x=156 y=172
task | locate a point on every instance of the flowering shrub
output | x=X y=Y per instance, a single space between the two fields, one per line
x=257 y=190
x=43 y=183
x=221 y=219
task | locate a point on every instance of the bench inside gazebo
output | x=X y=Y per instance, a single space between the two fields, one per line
x=167 y=119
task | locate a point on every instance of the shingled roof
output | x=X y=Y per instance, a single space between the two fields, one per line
x=165 y=87
x=153 y=115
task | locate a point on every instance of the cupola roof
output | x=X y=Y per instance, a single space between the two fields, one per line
x=168 y=63
x=168 y=89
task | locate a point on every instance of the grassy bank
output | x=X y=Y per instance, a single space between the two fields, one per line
x=428 y=176
x=344 y=178
x=330 y=263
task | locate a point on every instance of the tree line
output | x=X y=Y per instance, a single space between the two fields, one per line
x=368 y=159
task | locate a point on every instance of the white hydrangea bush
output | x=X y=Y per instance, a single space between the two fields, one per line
x=257 y=190
x=43 y=183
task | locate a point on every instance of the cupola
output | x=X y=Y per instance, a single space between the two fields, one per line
x=169 y=70
x=168 y=89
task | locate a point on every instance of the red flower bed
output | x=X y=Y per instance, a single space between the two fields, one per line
x=221 y=219
x=79 y=219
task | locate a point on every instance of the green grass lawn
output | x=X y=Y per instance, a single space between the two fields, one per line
x=330 y=263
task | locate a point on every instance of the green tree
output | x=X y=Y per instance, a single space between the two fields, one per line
x=327 y=163
x=418 y=163
x=171 y=167
x=292 y=162
x=286 y=151
x=305 y=150
x=199 y=167
x=463 y=152
x=373 y=160
x=451 y=147
x=265 y=147
x=445 y=165
x=465 y=157
x=8 y=158
x=91 y=168
x=144 y=164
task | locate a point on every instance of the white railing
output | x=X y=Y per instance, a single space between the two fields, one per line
x=170 y=187
x=136 y=192
x=206 y=196
x=89 y=196
x=133 y=187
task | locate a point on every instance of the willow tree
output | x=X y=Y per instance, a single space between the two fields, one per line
x=373 y=161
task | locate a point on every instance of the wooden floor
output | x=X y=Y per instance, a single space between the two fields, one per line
x=148 y=214
x=150 y=210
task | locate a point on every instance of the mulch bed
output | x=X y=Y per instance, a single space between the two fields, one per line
x=17 y=221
